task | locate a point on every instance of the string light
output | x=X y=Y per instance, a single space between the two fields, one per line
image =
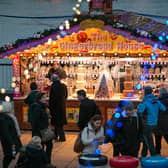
x=3 y=90
x=7 y=98
x=75 y=19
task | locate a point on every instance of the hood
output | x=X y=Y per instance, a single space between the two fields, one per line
x=33 y=151
x=151 y=98
x=164 y=97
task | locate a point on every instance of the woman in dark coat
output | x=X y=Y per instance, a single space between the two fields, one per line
x=40 y=120
x=162 y=130
x=8 y=135
x=57 y=100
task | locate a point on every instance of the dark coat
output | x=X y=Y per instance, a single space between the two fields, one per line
x=57 y=103
x=163 y=116
x=88 y=109
x=8 y=134
x=126 y=133
x=39 y=118
x=30 y=99
x=36 y=157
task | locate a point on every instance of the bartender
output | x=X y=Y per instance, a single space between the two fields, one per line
x=56 y=69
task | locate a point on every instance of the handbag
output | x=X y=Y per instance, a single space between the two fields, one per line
x=47 y=134
x=78 y=146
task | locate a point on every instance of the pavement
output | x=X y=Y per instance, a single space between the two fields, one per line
x=63 y=155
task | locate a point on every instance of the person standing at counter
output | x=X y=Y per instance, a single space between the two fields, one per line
x=30 y=99
x=149 y=110
x=57 y=106
x=87 y=110
x=56 y=69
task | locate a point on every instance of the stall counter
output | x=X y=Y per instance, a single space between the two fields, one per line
x=107 y=107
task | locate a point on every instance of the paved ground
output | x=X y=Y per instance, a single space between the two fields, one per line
x=63 y=155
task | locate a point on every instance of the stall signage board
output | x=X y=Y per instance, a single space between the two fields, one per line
x=95 y=40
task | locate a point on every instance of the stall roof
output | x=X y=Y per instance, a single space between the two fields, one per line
x=136 y=23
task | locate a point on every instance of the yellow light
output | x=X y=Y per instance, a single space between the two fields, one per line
x=3 y=90
x=1 y=107
x=7 y=98
x=17 y=89
x=13 y=85
x=75 y=19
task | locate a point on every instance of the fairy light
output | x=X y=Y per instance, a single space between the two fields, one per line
x=61 y=27
x=74 y=8
x=7 y=98
x=77 y=5
x=1 y=107
x=75 y=19
x=13 y=85
x=17 y=89
x=3 y=90
x=14 y=79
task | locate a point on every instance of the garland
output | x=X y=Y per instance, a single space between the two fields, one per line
x=40 y=38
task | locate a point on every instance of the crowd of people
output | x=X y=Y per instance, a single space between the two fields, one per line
x=126 y=129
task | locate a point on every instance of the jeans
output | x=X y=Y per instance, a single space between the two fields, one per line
x=148 y=141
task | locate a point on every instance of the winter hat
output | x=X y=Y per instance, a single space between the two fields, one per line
x=148 y=90
x=129 y=106
x=36 y=140
x=6 y=107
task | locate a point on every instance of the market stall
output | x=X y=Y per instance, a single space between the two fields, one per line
x=106 y=60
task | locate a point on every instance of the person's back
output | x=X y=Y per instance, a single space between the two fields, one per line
x=30 y=99
x=36 y=157
x=150 y=109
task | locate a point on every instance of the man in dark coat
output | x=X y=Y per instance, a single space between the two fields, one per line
x=88 y=109
x=57 y=106
x=8 y=137
x=162 y=129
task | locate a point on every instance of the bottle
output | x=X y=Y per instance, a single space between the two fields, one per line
x=13 y=151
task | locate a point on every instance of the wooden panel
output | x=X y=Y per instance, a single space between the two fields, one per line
x=106 y=108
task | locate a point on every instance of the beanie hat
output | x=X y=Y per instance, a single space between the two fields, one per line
x=148 y=90
x=129 y=106
x=36 y=140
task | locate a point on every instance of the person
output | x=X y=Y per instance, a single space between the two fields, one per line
x=93 y=135
x=162 y=129
x=40 y=121
x=33 y=155
x=149 y=110
x=30 y=99
x=87 y=109
x=9 y=134
x=126 y=130
x=56 y=69
x=57 y=106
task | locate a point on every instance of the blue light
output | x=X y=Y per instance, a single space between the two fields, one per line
x=142 y=78
x=129 y=95
x=63 y=33
x=98 y=151
x=138 y=86
x=153 y=57
x=117 y=109
x=163 y=34
x=167 y=37
x=110 y=133
x=109 y=122
x=155 y=46
x=89 y=166
x=119 y=124
x=152 y=65
x=95 y=143
x=160 y=38
x=117 y=115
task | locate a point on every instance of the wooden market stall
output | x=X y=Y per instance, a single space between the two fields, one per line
x=99 y=54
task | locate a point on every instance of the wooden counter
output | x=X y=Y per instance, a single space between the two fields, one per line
x=72 y=109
